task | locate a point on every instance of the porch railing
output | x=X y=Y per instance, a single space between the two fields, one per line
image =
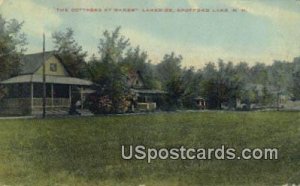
x=146 y=106
x=36 y=102
x=52 y=102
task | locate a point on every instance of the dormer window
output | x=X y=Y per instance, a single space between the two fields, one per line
x=53 y=67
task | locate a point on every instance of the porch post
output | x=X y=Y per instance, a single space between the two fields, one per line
x=52 y=95
x=31 y=95
x=81 y=96
x=70 y=94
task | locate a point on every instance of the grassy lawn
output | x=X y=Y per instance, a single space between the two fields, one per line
x=87 y=151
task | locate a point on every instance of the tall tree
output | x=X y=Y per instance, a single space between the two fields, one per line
x=191 y=85
x=223 y=84
x=279 y=76
x=259 y=74
x=70 y=52
x=12 y=47
x=137 y=60
x=112 y=46
x=242 y=77
x=108 y=73
x=208 y=84
x=169 y=73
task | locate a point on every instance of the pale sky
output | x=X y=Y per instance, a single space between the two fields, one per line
x=268 y=30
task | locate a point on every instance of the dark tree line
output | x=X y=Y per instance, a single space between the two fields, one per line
x=220 y=83
x=12 y=47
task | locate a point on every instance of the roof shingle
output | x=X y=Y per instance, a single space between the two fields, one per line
x=32 y=62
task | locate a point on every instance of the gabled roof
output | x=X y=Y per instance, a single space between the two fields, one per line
x=132 y=77
x=30 y=63
x=49 y=79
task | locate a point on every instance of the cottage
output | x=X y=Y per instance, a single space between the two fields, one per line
x=24 y=93
x=145 y=99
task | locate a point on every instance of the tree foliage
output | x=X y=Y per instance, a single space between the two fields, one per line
x=191 y=86
x=71 y=53
x=12 y=47
x=108 y=74
x=112 y=46
x=137 y=61
x=169 y=72
x=221 y=83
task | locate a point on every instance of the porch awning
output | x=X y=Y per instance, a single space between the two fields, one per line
x=49 y=79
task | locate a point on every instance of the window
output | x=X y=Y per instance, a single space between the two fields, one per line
x=53 y=67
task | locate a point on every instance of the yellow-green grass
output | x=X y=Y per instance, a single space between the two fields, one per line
x=87 y=151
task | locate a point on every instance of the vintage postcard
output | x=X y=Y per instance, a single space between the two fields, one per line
x=149 y=92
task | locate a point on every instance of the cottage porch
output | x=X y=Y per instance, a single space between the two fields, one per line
x=24 y=94
x=147 y=100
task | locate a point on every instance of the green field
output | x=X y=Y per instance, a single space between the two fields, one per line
x=87 y=151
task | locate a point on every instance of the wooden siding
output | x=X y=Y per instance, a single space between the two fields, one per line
x=60 y=69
